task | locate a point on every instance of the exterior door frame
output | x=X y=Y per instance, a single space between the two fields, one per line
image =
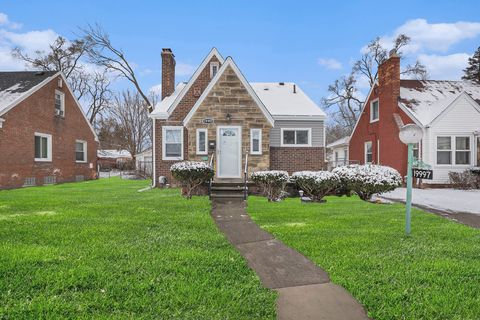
x=239 y=151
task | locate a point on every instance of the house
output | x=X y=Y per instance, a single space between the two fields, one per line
x=45 y=137
x=144 y=161
x=337 y=153
x=447 y=111
x=113 y=158
x=219 y=115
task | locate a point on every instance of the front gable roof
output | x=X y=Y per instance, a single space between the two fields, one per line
x=230 y=63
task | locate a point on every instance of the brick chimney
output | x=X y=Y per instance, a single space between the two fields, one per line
x=389 y=77
x=168 y=72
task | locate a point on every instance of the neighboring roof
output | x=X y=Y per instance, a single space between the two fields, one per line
x=229 y=63
x=339 y=142
x=181 y=93
x=113 y=154
x=15 y=86
x=427 y=99
x=146 y=151
x=286 y=100
x=161 y=108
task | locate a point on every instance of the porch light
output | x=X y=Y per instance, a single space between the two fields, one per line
x=229 y=117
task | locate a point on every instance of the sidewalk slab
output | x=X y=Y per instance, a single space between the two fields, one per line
x=242 y=231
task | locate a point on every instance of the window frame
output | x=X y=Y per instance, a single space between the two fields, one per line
x=85 y=145
x=198 y=151
x=469 y=150
x=164 y=130
x=49 y=147
x=453 y=150
x=62 y=103
x=214 y=64
x=372 y=120
x=309 y=144
x=259 y=151
x=365 y=153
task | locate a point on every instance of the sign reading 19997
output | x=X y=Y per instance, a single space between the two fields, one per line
x=422 y=173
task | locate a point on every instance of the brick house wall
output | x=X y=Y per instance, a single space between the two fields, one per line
x=37 y=114
x=390 y=151
x=293 y=159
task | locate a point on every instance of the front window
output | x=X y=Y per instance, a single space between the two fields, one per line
x=374 y=111
x=80 y=151
x=296 y=137
x=462 y=150
x=59 y=103
x=202 y=141
x=368 y=152
x=444 y=150
x=172 y=138
x=43 y=147
x=256 y=141
x=416 y=151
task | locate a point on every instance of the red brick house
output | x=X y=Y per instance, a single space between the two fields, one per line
x=219 y=114
x=447 y=111
x=45 y=137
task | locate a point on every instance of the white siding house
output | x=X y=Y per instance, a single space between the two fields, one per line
x=337 y=153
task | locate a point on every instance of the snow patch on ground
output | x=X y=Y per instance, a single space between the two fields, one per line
x=449 y=200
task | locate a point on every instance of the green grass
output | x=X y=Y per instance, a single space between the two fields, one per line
x=100 y=249
x=432 y=274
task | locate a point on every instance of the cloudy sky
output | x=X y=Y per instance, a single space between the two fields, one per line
x=308 y=42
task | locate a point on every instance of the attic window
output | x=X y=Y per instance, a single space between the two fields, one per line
x=213 y=69
x=59 y=103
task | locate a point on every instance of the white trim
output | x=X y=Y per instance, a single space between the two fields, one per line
x=85 y=148
x=296 y=129
x=49 y=147
x=409 y=113
x=154 y=151
x=363 y=107
x=365 y=151
x=164 y=129
x=1 y=122
x=378 y=151
x=62 y=101
x=205 y=130
x=239 y=151
x=229 y=63
x=371 y=110
x=214 y=64
x=211 y=54
x=259 y=152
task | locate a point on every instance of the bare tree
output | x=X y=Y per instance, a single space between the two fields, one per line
x=102 y=52
x=98 y=95
x=129 y=112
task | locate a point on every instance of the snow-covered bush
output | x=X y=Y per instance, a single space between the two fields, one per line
x=271 y=182
x=191 y=175
x=316 y=184
x=367 y=180
x=463 y=180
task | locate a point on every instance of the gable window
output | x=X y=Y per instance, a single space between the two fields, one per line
x=374 y=111
x=59 y=103
x=444 y=150
x=202 y=141
x=296 y=137
x=43 y=147
x=368 y=152
x=462 y=150
x=214 y=66
x=172 y=143
x=256 y=141
x=80 y=151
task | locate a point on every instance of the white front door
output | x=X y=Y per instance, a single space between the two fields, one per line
x=229 y=146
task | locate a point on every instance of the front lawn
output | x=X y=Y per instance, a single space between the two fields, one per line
x=100 y=249
x=432 y=274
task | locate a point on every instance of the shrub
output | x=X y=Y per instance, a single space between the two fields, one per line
x=191 y=175
x=271 y=182
x=463 y=180
x=367 y=180
x=316 y=184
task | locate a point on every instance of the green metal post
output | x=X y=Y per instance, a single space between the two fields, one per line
x=409 y=188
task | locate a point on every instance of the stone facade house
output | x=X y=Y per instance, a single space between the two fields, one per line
x=45 y=137
x=220 y=117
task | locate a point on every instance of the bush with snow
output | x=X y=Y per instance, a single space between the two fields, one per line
x=316 y=184
x=367 y=180
x=191 y=175
x=271 y=182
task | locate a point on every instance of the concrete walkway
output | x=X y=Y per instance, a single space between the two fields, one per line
x=305 y=290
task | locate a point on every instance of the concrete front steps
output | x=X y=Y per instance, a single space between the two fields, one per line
x=228 y=189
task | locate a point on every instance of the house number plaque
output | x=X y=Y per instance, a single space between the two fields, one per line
x=207 y=120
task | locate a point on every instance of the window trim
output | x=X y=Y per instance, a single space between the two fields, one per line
x=378 y=151
x=164 y=129
x=453 y=150
x=85 y=145
x=62 y=103
x=309 y=144
x=205 y=130
x=365 y=151
x=212 y=64
x=371 y=109
x=259 y=152
x=49 y=147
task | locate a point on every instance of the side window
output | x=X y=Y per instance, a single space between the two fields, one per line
x=59 y=103
x=374 y=111
x=256 y=141
x=368 y=152
x=202 y=141
x=214 y=66
x=296 y=137
x=80 y=151
x=43 y=147
x=172 y=143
